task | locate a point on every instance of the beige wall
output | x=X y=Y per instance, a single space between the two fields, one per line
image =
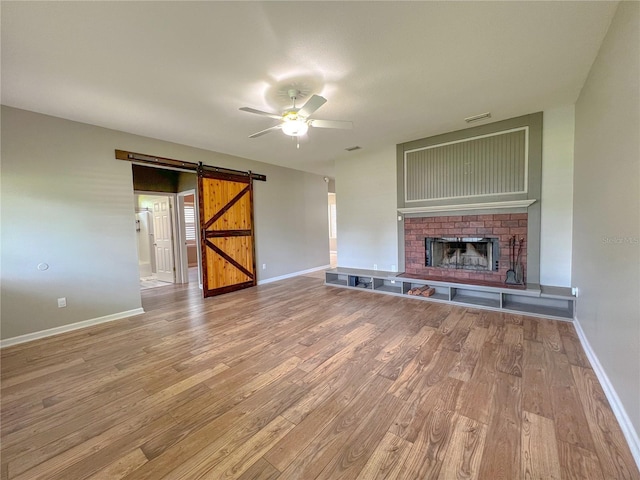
x=151 y=179
x=333 y=241
x=66 y=201
x=556 y=207
x=192 y=256
x=366 y=209
x=606 y=208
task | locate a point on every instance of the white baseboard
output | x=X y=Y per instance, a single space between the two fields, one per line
x=294 y=274
x=619 y=411
x=7 y=342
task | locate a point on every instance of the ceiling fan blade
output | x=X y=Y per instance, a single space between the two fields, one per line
x=260 y=112
x=331 y=124
x=263 y=132
x=313 y=104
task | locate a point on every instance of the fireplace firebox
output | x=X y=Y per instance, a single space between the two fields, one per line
x=463 y=253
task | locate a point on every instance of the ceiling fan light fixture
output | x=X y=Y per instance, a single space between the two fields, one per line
x=295 y=121
x=295 y=128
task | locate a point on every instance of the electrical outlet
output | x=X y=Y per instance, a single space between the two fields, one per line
x=375 y=266
x=393 y=268
x=575 y=291
x=264 y=266
x=62 y=302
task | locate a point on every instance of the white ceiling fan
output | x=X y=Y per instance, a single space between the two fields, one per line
x=295 y=121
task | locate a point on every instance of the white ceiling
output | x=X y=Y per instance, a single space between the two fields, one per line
x=400 y=71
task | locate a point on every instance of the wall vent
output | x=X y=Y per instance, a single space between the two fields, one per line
x=477 y=118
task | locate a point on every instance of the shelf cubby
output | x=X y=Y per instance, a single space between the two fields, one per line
x=442 y=293
x=554 y=307
x=389 y=286
x=475 y=297
x=360 y=281
x=336 y=279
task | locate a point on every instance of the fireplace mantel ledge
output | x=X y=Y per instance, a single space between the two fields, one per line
x=469 y=206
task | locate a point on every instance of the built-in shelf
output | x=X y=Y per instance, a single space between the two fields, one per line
x=535 y=300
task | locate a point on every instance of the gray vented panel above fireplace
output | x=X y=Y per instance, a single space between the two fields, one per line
x=492 y=164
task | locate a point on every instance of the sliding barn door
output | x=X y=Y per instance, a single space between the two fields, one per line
x=226 y=219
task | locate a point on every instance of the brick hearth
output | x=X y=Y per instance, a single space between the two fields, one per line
x=502 y=226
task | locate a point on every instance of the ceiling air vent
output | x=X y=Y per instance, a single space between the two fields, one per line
x=351 y=149
x=477 y=118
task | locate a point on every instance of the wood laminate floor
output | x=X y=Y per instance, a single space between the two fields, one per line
x=295 y=380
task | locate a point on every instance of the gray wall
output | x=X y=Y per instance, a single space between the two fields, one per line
x=66 y=201
x=187 y=181
x=557 y=196
x=606 y=206
x=366 y=209
x=151 y=179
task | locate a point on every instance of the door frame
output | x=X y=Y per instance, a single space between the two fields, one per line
x=184 y=263
x=177 y=260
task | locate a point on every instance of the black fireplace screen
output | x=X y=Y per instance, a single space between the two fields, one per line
x=464 y=253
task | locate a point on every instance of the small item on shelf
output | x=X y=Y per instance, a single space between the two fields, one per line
x=511 y=273
x=418 y=291
x=519 y=267
x=428 y=292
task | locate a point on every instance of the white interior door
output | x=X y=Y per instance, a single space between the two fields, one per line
x=163 y=244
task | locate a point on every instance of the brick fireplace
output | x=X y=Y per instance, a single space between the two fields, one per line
x=501 y=226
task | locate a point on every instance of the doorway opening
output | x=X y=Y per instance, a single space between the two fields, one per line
x=155 y=234
x=167 y=229
x=333 y=231
x=188 y=226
